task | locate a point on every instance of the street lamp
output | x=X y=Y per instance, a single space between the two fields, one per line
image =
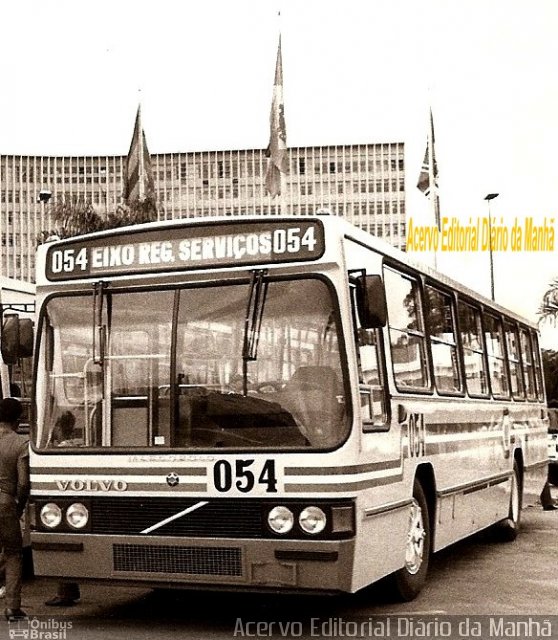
x=43 y=197
x=488 y=198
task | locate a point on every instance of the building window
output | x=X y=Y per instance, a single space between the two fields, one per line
x=302 y=166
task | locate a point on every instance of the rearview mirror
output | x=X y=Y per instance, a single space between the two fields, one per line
x=25 y=338
x=17 y=338
x=371 y=301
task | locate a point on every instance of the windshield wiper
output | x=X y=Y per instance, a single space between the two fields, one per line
x=253 y=322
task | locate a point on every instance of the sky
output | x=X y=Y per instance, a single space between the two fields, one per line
x=355 y=71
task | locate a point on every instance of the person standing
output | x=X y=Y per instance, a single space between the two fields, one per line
x=14 y=492
x=546 y=499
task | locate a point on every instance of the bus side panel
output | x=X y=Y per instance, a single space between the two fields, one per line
x=383 y=509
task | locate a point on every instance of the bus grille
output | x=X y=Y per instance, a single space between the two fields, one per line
x=218 y=518
x=208 y=561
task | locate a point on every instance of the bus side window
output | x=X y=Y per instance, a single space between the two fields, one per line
x=406 y=331
x=528 y=369
x=538 y=366
x=514 y=359
x=443 y=341
x=473 y=349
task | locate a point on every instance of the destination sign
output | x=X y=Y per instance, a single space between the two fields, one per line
x=193 y=246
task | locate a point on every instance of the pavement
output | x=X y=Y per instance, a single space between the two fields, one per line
x=119 y=602
x=96 y=599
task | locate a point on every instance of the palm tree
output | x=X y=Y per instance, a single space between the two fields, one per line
x=73 y=219
x=548 y=310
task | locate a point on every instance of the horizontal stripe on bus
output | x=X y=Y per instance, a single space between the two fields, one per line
x=386 y=508
x=433 y=449
x=343 y=486
x=129 y=471
x=44 y=489
x=94 y=477
x=469 y=487
x=344 y=470
x=476 y=430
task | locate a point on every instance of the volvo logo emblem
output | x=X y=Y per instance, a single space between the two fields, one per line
x=172 y=479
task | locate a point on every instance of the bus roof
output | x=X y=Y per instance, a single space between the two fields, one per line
x=16 y=286
x=383 y=247
x=329 y=220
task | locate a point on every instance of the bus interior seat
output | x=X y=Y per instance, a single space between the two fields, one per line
x=314 y=397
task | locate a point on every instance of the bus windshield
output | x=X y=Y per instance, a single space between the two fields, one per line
x=194 y=368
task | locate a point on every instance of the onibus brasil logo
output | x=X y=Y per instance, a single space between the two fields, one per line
x=35 y=629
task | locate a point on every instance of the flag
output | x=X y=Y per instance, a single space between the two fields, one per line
x=277 y=159
x=138 y=182
x=428 y=178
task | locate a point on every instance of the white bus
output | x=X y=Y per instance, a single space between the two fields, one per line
x=268 y=403
x=17 y=311
x=17 y=307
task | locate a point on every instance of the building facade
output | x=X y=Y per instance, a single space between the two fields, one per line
x=364 y=183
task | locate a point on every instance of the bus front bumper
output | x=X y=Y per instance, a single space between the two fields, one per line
x=293 y=565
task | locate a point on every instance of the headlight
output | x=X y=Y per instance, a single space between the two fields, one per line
x=280 y=519
x=312 y=520
x=51 y=515
x=77 y=515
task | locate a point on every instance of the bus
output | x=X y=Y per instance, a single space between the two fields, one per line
x=271 y=403
x=17 y=307
x=17 y=310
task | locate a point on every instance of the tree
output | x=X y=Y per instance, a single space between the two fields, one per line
x=73 y=219
x=548 y=311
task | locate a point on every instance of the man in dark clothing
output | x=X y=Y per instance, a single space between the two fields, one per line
x=14 y=491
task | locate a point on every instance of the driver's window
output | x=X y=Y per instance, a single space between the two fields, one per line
x=371 y=372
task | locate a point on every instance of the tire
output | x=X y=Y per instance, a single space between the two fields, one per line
x=409 y=580
x=508 y=529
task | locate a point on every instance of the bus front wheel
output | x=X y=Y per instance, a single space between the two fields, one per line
x=410 y=579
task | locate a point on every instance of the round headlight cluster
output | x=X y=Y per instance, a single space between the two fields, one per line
x=280 y=519
x=51 y=515
x=311 y=520
x=77 y=515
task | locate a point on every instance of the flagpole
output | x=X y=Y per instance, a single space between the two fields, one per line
x=282 y=176
x=278 y=159
x=433 y=195
x=431 y=178
x=141 y=158
x=282 y=195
